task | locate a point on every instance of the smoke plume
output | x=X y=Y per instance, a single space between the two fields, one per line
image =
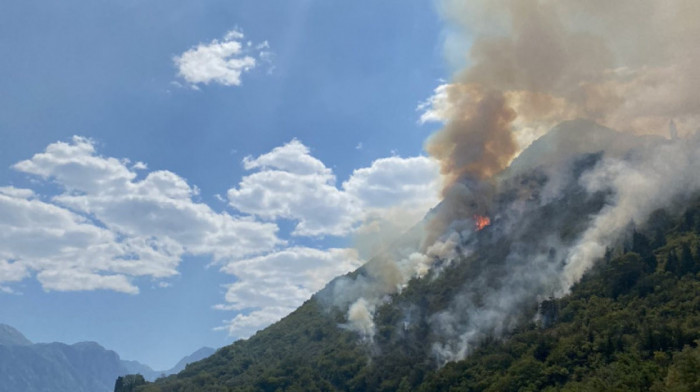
x=477 y=141
x=630 y=65
x=555 y=134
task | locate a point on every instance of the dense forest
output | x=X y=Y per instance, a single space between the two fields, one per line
x=631 y=324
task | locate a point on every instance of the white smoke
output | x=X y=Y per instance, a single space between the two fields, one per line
x=649 y=180
x=650 y=174
x=559 y=203
x=386 y=275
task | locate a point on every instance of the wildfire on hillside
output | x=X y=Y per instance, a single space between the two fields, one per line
x=481 y=221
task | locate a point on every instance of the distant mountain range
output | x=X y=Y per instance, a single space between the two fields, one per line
x=59 y=367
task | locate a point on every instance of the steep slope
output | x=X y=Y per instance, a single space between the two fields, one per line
x=632 y=324
x=473 y=314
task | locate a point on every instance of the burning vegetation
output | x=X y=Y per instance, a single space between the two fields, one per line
x=536 y=72
x=480 y=222
x=558 y=128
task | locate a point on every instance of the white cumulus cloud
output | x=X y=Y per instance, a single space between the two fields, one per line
x=437 y=107
x=271 y=286
x=113 y=223
x=292 y=184
x=106 y=227
x=220 y=61
x=388 y=196
x=42 y=237
x=396 y=181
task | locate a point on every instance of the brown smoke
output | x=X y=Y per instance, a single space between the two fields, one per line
x=631 y=65
x=477 y=141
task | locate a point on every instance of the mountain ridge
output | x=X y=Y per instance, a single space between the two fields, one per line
x=622 y=318
x=80 y=367
x=487 y=298
x=10 y=336
x=198 y=355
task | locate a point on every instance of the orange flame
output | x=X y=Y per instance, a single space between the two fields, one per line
x=481 y=221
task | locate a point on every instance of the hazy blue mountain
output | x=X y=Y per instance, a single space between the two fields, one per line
x=136 y=367
x=198 y=355
x=59 y=367
x=12 y=337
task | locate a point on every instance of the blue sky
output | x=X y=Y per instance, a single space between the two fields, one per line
x=197 y=204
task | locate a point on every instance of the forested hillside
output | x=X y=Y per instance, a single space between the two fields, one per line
x=632 y=324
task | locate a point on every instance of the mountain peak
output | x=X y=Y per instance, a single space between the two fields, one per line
x=574 y=138
x=198 y=355
x=9 y=336
x=89 y=345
